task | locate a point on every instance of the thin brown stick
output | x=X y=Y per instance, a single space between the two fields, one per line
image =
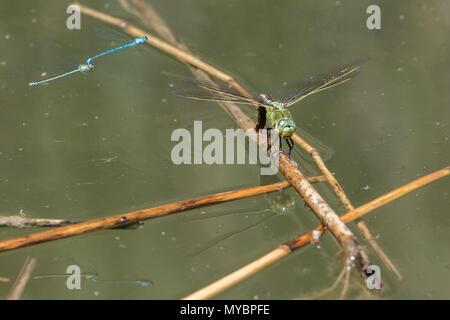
x=135 y=216
x=105 y=223
x=3 y=279
x=316 y=179
x=245 y=272
x=22 y=279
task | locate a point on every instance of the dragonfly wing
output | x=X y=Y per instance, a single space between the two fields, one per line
x=201 y=94
x=209 y=92
x=324 y=81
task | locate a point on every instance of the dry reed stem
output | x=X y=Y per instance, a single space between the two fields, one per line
x=135 y=216
x=245 y=272
x=22 y=279
x=74 y=229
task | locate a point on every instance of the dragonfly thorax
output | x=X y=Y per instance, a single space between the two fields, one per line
x=85 y=67
x=266 y=99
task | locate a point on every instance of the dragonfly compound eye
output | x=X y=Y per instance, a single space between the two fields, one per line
x=286 y=127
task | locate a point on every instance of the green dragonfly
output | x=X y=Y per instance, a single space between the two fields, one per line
x=268 y=108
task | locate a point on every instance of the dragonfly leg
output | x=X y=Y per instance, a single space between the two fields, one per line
x=290 y=143
x=262 y=118
x=281 y=142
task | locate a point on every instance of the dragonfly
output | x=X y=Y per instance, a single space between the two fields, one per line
x=276 y=111
x=84 y=67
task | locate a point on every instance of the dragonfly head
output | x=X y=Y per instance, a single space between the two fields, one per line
x=266 y=98
x=285 y=127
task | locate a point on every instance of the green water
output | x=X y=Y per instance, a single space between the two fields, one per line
x=91 y=146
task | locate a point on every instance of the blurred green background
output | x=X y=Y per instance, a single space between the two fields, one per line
x=91 y=146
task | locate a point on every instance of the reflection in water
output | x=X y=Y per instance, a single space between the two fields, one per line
x=280 y=204
x=93 y=277
x=217 y=240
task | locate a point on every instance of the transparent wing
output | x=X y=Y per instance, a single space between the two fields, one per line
x=205 y=91
x=323 y=82
x=109 y=34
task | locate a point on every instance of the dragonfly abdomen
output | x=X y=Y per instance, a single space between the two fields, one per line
x=262 y=118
